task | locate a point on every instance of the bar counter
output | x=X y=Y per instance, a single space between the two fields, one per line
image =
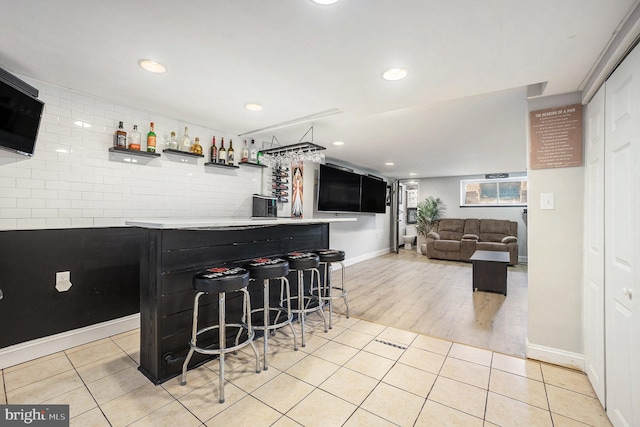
x=173 y=250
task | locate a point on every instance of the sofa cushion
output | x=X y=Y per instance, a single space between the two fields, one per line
x=451 y=229
x=494 y=230
x=447 y=245
x=472 y=226
x=491 y=246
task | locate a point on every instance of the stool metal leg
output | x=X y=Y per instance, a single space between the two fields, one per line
x=267 y=316
x=328 y=288
x=250 y=332
x=316 y=272
x=344 y=291
x=222 y=339
x=293 y=331
x=301 y=314
x=194 y=334
x=222 y=336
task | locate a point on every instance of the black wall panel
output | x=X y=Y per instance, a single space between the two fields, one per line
x=105 y=273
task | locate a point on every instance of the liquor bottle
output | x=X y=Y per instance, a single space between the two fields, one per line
x=213 y=154
x=222 y=153
x=259 y=157
x=134 y=139
x=120 y=137
x=185 y=141
x=230 y=155
x=151 y=140
x=244 y=157
x=196 y=148
x=253 y=153
x=173 y=142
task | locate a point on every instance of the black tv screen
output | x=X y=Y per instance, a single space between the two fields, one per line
x=20 y=115
x=338 y=190
x=373 y=196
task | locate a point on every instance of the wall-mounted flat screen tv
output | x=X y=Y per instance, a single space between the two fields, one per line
x=20 y=115
x=338 y=190
x=373 y=195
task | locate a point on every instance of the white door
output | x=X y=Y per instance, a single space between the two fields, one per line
x=622 y=236
x=594 y=246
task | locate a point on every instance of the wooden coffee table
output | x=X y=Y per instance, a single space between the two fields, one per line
x=490 y=271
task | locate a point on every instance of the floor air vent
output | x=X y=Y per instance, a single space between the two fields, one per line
x=391 y=344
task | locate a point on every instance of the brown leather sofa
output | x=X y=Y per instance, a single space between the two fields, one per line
x=457 y=239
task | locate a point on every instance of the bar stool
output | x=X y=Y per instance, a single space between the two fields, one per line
x=221 y=280
x=266 y=269
x=301 y=262
x=327 y=258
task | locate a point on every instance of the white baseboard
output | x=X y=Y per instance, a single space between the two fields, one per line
x=23 y=352
x=555 y=356
x=355 y=260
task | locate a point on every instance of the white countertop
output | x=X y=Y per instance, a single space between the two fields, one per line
x=178 y=223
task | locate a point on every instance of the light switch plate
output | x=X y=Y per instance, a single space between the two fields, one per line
x=546 y=201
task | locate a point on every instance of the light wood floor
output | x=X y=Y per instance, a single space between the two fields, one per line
x=412 y=292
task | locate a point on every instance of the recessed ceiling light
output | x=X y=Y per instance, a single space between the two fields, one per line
x=253 y=107
x=389 y=164
x=394 y=74
x=412 y=174
x=152 y=66
x=324 y=2
x=338 y=143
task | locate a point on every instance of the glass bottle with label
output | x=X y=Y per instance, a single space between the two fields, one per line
x=244 y=157
x=120 y=137
x=213 y=154
x=196 y=148
x=222 y=153
x=173 y=142
x=259 y=157
x=151 y=139
x=230 y=154
x=253 y=152
x=185 y=141
x=134 y=139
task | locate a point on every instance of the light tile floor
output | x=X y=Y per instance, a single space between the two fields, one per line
x=358 y=374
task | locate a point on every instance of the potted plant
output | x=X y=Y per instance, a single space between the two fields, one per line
x=430 y=210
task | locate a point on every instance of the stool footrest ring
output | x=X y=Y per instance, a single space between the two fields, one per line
x=218 y=350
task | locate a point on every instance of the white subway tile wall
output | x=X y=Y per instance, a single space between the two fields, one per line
x=73 y=180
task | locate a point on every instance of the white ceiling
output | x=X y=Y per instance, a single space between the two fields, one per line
x=464 y=98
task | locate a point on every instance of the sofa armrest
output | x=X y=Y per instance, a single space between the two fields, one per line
x=470 y=237
x=433 y=235
x=510 y=239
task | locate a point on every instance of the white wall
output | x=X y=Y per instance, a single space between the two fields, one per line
x=73 y=181
x=555 y=258
x=448 y=189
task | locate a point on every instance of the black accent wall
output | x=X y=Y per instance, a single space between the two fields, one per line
x=105 y=273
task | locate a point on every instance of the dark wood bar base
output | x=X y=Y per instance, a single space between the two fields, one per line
x=170 y=258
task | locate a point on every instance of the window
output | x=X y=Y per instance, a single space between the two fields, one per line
x=494 y=192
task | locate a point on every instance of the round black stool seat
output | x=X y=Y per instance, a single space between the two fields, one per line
x=303 y=260
x=330 y=255
x=221 y=279
x=267 y=268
